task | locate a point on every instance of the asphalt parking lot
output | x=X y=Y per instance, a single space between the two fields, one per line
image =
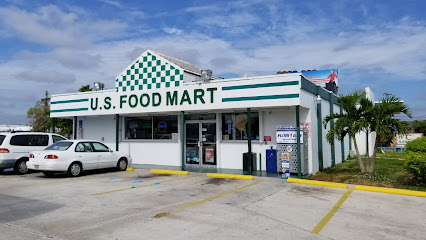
x=141 y=205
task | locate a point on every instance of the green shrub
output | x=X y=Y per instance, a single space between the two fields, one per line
x=415 y=163
x=417 y=145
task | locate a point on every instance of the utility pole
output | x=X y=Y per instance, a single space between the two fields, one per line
x=46 y=99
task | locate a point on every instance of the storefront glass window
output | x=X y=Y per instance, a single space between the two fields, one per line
x=139 y=128
x=158 y=127
x=165 y=126
x=234 y=126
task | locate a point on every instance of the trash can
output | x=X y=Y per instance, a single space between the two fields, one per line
x=271 y=160
x=246 y=161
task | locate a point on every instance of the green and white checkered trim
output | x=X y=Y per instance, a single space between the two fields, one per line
x=149 y=72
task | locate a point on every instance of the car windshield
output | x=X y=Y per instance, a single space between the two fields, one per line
x=59 y=146
x=2 y=138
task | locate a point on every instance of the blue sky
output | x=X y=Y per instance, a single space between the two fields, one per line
x=58 y=46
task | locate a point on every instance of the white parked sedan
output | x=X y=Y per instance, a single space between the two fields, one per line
x=74 y=156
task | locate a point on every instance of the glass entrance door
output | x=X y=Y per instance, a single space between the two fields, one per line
x=192 y=134
x=200 y=143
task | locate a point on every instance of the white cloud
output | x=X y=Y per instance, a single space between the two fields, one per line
x=47 y=76
x=172 y=30
x=51 y=26
x=112 y=3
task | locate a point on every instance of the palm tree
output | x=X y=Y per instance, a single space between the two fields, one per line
x=382 y=122
x=352 y=121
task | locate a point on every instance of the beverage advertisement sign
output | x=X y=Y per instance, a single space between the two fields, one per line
x=321 y=77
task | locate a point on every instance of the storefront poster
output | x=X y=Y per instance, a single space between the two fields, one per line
x=288 y=136
x=307 y=126
x=209 y=155
x=80 y=129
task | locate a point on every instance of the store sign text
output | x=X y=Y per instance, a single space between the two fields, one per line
x=155 y=99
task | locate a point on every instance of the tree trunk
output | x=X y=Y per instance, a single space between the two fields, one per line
x=361 y=164
x=373 y=159
x=367 y=163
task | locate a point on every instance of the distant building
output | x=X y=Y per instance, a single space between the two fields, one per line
x=12 y=127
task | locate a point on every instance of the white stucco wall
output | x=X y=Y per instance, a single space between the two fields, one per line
x=325 y=105
x=99 y=128
x=308 y=114
x=152 y=152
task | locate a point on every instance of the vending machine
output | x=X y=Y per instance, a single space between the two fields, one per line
x=287 y=149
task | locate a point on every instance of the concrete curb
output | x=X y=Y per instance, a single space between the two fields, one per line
x=318 y=183
x=169 y=171
x=232 y=176
x=390 y=190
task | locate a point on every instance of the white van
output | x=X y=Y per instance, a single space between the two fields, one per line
x=15 y=148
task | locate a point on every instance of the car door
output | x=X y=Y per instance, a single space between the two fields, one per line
x=106 y=158
x=86 y=155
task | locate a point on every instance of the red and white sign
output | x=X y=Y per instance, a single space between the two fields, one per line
x=401 y=140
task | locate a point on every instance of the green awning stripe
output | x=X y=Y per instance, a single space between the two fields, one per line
x=70 y=110
x=261 y=85
x=268 y=97
x=71 y=101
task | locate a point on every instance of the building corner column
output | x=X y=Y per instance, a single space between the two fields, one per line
x=299 y=157
x=117 y=131
x=182 y=139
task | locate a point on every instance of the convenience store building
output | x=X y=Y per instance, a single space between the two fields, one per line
x=167 y=113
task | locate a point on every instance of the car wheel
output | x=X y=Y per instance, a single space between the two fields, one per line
x=48 y=174
x=121 y=164
x=74 y=170
x=21 y=166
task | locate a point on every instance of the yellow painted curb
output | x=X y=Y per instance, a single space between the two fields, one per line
x=130 y=169
x=232 y=176
x=390 y=190
x=318 y=183
x=169 y=171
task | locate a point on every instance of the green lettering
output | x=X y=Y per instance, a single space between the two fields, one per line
x=199 y=94
x=122 y=100
x=107 y=104
x=133 y=96
x=211 y=90
x=171 y=100
x=91 y=104
x=147 y=100
x=185 y=98
x=156 y=99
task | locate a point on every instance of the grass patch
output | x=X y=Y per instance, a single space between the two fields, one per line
x=388 y=172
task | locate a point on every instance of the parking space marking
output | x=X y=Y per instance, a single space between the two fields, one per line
x=333 y=210
x=147 y=185
x=220 y=195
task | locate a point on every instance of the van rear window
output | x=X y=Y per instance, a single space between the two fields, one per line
x=30 y=140
x=2 y=137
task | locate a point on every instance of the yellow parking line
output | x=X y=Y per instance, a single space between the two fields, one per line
x=218 y=196
x=148 y=185
x=231 y=176
x=391 y=190
x=330 y=214
x=164 y=171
